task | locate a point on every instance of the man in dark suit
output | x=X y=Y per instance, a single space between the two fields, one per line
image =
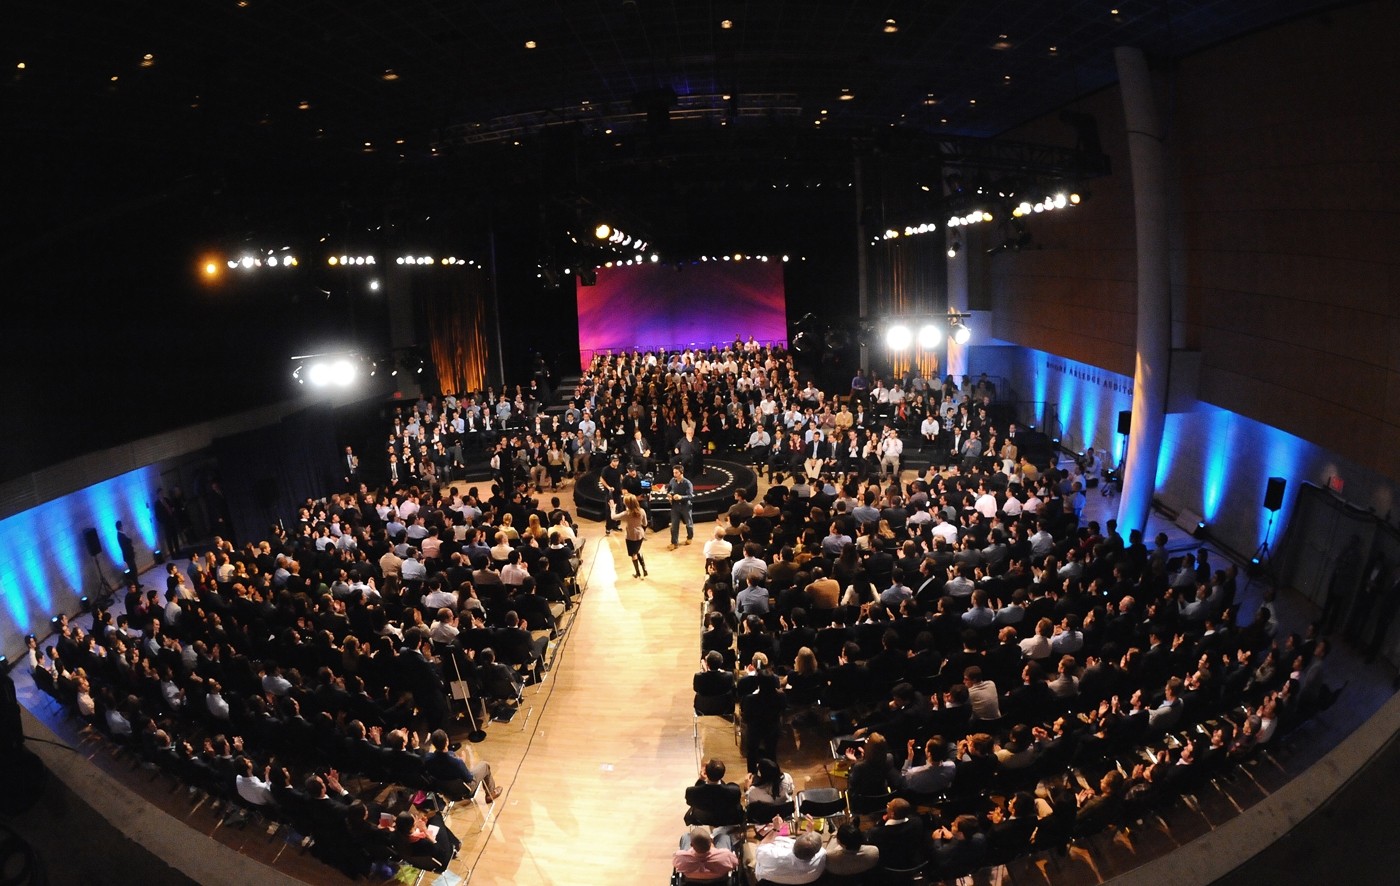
x=901 y=836
x=423 y=677
x=127 y=548
x=712 y=800
x=818 y=456
x=639 y=453
x=610 y=479
x=879 y=564
x=714 y=687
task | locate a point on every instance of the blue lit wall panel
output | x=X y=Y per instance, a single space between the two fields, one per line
x=45 y=566
x=1212 y=461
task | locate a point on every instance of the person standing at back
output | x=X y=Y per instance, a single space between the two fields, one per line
x=681 y=493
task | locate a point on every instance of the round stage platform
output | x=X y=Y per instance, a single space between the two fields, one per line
x=714 y=491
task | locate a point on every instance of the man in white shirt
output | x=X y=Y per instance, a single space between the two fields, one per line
x=444 y=628
x=718 y=548
x=981 y=695
x=439 y=597
x=945 y=530
x=986 y=504
x=254 y=791
x=891 y=448
x=411 y=569
x=928 y=432
x=786 y=860
x=1042 y=542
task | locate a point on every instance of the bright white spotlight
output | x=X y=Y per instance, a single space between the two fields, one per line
x=1061 y=201
x=374 y=286
x=232 y=264
x=272 y=260
x=602 y=232
x=929 y=336
x=899 y=337
x=246 y=261
x=319 y=374
x=342 y=372
x=962 y=334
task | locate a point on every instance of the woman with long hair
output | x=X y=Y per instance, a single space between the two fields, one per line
x=768 y=783
x=634 y=531
x=535 y=529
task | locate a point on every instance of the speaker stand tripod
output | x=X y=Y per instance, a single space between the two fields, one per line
x=108 y=592
x=1261 y=564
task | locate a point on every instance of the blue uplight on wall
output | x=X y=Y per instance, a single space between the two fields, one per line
x=1285 y=456
x=1218 y=461
x=44 y=564
x=1166 y=456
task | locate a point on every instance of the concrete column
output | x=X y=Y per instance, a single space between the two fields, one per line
x=1147 y=155
x=957 y=299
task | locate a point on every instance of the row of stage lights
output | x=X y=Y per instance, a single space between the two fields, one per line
x=252 y=262
x=902 y=336
x=618 y=238
x=972 y=218
x=656 y=259
x=451 y=260
x=1050 y=203
x=272 y=260
x=342 y=371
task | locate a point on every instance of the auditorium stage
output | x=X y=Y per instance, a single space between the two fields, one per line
x=714 y=491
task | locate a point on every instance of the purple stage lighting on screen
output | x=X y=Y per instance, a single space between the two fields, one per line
x=655 y=306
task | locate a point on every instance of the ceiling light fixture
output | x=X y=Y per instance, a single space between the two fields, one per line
x=890 y=26
x=530 y=44
x=726 y=24
x=390 y=74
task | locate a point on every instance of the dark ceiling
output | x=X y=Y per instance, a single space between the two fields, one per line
x=268 y=113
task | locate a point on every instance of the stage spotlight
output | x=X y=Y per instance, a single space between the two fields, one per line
x=246 y=261
x=211 y=269
x=804 y=344
x=342 y=372
x=1074 y=199
x=319 y=374
x=961 y=334
x=929 y=336
x=954 y=248
x=602 y=232
x=899 y=337
x=374 y=286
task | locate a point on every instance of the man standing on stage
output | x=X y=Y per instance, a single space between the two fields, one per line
x=610 y=479
x=681 y=493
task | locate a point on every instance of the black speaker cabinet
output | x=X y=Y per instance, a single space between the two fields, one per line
x=94 y=544
x=1273 y=496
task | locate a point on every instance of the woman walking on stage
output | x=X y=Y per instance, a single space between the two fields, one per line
x=634 y=531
